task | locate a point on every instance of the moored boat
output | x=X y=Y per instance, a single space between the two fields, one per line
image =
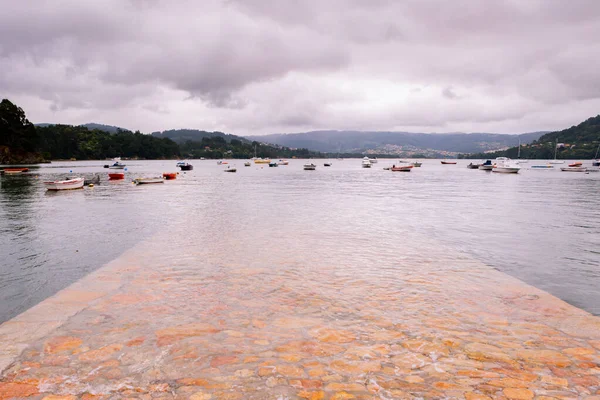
x=366 y=162
x=327 y=164
x=576 y=164
x=262 y=161
x=117 y=165
x=401 y=168
x=14 y=171
x=169 y=175
x=230 y=169
x=283 y=162
x=574 y=169
x=185 y=166
x=146 y=181
x=247 y=164
x=273 y=164
x=486 y=166
x=473 y=166
x=417 y=164
x=115 y=176
x=446 y=162
x=506 y=165
x=373 y=160
x=547 y=166
x=309 y=167
x=67 y=184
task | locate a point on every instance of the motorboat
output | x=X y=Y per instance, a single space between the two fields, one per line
x=115 y=176
x=283 y=162
x=221 y=162
x=185 y=166
x=262 y=161
x=373 y=160
x=574 y=169
x=247 y=164
x=67 y=184
x=486 y=166
x=576 y=164
x=446 y=162
x=117 y=165
x=180 y=163
x=310 y=167
x=417 y=164
x=169 y=175
x=401 y=168
x=273 y=164
x=327 y=164
x=147 y=181
x=473 y=166
x=230 y=169
x=506 y=165
x=366 y=162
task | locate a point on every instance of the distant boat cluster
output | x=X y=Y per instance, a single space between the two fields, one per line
x=499 y=165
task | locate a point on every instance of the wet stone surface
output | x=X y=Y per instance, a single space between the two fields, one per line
x=180 y=323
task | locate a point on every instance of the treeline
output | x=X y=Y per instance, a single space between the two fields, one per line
x=21 y=141
x=578 y=142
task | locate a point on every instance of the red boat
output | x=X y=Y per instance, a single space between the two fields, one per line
x=15 y=170
x=170 y=175
x=449 y=162
x=401 y=168
x=575 y=164
x=116 y=176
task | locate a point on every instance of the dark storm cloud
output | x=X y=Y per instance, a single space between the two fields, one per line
x=253 y=64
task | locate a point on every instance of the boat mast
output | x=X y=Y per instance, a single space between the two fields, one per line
x=555 y=148
x=519 y=152
x=597 y=150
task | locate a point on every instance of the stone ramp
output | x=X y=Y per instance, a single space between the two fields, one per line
x=175 y=321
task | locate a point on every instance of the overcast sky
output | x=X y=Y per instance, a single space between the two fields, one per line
x=266 y=66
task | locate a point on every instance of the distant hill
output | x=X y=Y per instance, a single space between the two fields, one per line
x=577 y=142
x=91 y=126
x=398 y=143
x=183 y=135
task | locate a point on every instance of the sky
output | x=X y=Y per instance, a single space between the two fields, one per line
x=277 y=66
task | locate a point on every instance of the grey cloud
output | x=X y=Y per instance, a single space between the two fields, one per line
x=236 y=61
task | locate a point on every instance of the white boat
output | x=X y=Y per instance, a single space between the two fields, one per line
x=574 y=169
x=247 y=164
x=373 y=160
x=180 y=163
x=310 y=167
x=144 y=181
x=283 y=162
x=366 y=162
x=71 y=183
x=596 y=160
x=506 y=165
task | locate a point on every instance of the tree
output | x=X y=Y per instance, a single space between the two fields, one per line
x=16 y=132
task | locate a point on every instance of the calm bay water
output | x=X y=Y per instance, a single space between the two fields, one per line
x=542 y=227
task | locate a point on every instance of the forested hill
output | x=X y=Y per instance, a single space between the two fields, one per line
x=23 y=142
x=195 y=135
x=577 y=142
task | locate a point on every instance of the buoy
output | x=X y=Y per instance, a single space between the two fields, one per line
x=91 y=185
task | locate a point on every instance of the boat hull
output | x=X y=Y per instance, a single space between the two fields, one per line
x=574 y=169
x=186 y=167
x=506 y=170
x=68 y=184
x=148 y=181
x=170 y=175
x=310 y=167
x=402 y=169
x=448 y=162
x=116 y=176
x=486 y=167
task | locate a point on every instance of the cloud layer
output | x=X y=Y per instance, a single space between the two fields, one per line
x=264 y=66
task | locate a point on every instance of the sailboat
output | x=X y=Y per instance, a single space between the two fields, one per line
x=555 y=161
x=519 y=161
x=596 y=160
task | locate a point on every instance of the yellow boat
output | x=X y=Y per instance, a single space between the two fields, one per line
x=262 y=161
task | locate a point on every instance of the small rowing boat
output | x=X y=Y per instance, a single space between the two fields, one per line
x=574 y=169
x=67 y=184
x=14 y=171
x=169 y=175
x=310 y=167
x=576 y=164
x=446 y=162
x=401 y=168
x=146 y=181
